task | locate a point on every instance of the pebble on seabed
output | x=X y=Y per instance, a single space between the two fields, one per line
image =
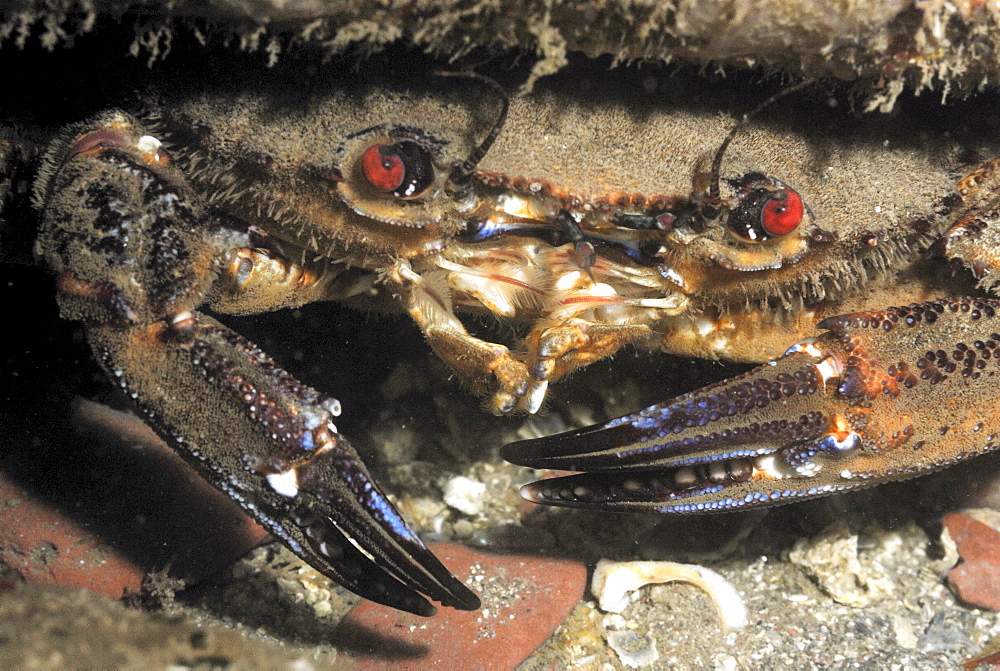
x=465 y=495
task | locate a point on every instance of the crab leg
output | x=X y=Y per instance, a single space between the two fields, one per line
x=855 y=407
x=974 y=239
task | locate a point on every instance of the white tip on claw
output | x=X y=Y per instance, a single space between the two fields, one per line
x=808 y=346
x=333 y=407
x=829 y=368
x=286 y=484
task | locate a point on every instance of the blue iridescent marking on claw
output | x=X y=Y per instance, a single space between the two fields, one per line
x=829 y=443
x=380 y=508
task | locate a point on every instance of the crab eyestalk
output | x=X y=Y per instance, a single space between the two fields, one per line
x=713 y=187
x=848 y=409
x=460 y=178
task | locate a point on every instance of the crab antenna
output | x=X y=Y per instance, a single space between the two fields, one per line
x=713 y=188
x=461 y=173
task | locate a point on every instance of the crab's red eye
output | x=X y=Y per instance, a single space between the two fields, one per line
x=403 y=168
x=782 y=213
x=383 y=171
x=765 y=211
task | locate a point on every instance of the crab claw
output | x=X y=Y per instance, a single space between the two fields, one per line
x=269 y=442
x=136 y=252
x=882 y=396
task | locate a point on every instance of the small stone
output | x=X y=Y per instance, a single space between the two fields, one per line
x=906 y=637
x=322 y=609
x=422 y=511
x=833 y=561
x=976 y=579
x=465 y=495
x=464 y=529
x=524 y=601
x=726 y=663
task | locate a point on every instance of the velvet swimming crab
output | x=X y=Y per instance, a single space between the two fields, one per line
x=266 y=198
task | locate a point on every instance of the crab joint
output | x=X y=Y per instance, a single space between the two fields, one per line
x=829 y=367
x=841 y=437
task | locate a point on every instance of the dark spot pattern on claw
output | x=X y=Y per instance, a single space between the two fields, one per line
x=911 y=315
x=868 y=401
x=132 y=215
x=282 y=461
x=300 y=433
x=136 y=255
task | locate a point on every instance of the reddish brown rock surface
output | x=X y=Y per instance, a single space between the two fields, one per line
x=135 y=508
x=46 y=546
x=976 y=579
x=524 y=601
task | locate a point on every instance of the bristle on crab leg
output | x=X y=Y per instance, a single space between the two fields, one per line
x=851 y=408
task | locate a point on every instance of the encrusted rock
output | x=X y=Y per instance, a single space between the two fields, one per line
x=832 y=560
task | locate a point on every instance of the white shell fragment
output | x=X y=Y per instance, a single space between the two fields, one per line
x=465 y=495
x=633 y=651
x=613 y=581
